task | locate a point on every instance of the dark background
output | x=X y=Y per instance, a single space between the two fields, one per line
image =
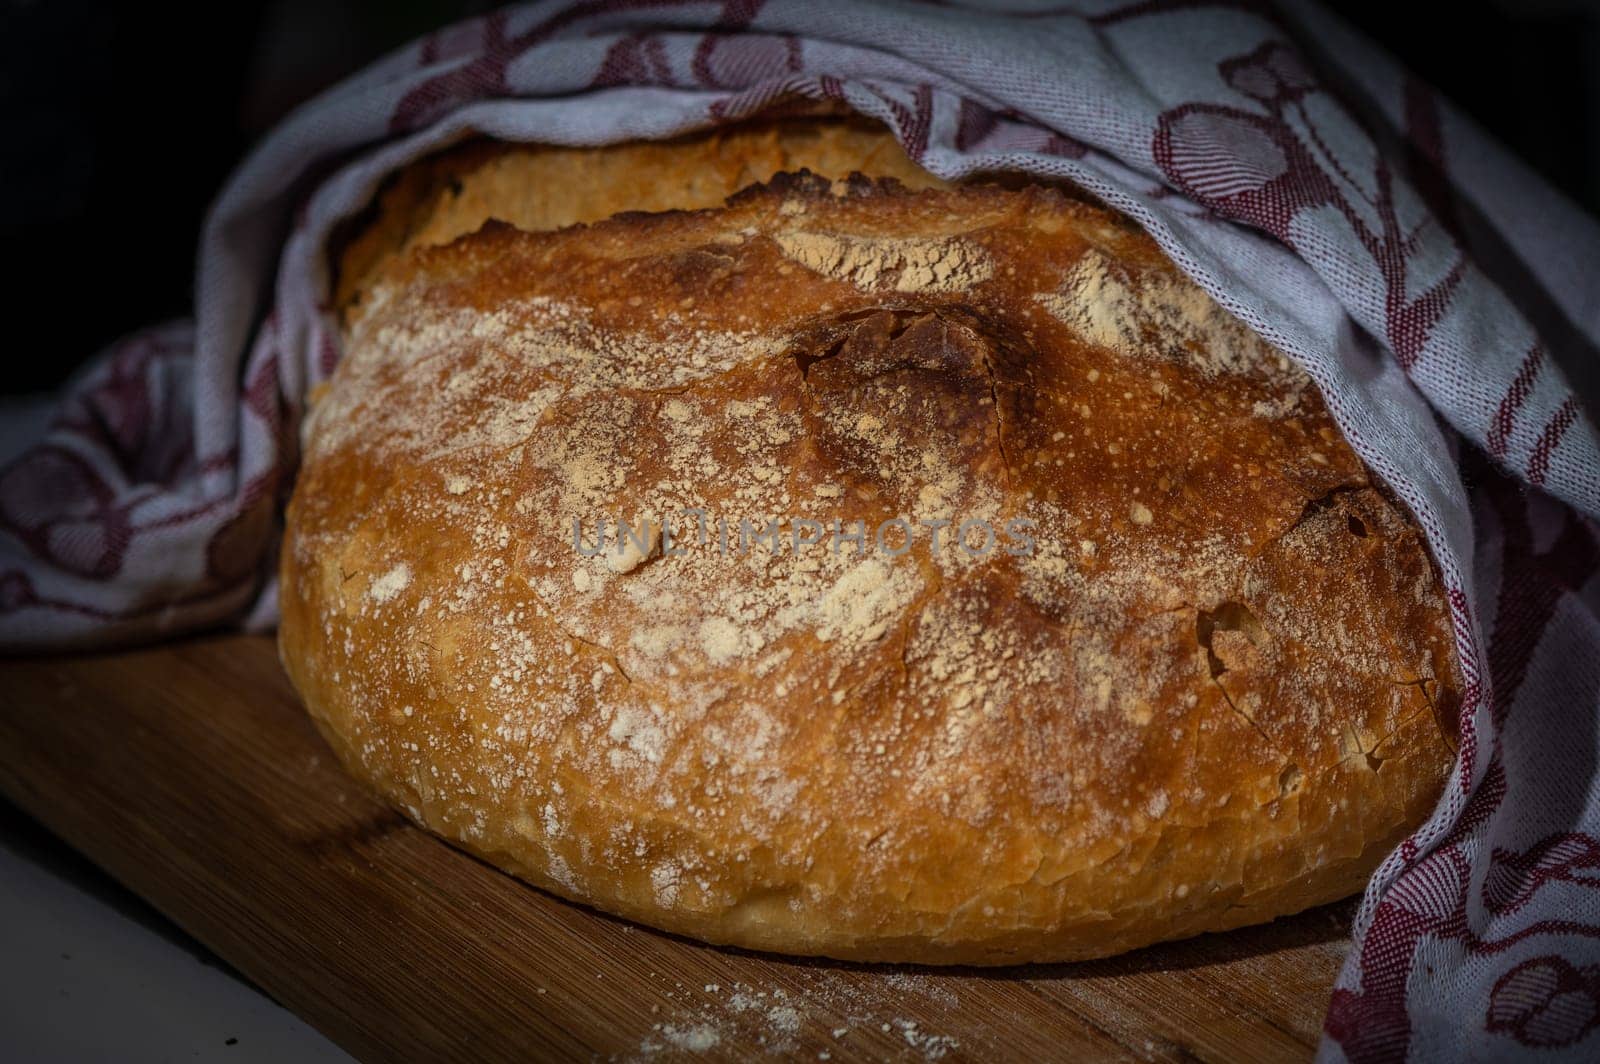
x=119 y=121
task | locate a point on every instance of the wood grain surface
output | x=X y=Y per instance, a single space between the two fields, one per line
x=191 y=774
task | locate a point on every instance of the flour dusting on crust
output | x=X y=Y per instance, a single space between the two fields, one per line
x=899 y=264
x=1204 y=693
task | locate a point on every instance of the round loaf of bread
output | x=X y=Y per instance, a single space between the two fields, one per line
x=895 y=575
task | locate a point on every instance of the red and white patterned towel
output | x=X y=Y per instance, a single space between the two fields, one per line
x=1432 y=286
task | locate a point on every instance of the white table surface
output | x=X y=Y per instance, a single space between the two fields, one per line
x=89 y=972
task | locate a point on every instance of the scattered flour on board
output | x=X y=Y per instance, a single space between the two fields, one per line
x=696 y=1039
x=766 y=1022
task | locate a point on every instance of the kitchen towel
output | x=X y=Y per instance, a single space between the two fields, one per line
x=1440 y=294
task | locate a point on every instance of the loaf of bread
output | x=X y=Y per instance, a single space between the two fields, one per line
x=844 y=568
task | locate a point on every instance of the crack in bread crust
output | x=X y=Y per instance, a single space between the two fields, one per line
x=1164 y=718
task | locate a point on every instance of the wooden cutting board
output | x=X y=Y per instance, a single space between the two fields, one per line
x=191 y=774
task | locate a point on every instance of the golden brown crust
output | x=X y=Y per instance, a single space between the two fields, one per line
x=1207 y=697
x=539 y=187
